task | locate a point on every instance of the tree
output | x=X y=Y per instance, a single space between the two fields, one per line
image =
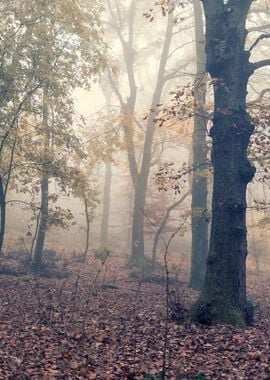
x=102 y=140
x=79 y=180
x=140 y=166
x=223 y=298
x=50 y=46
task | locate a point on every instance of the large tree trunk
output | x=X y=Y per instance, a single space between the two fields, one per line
x=199 y=246
x=43 y=223
x=106 y=206
x=223 y=298
x=2 y=214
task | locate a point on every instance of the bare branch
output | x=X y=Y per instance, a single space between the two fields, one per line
x=260 y=64
x=260 y=97
x=115 y=88
x=260 y=38
x=259 y=28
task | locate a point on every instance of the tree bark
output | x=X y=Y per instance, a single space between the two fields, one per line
x=223 y=298
x=199 y=218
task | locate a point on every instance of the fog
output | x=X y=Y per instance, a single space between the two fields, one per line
x=131 y=131
x=175 y=137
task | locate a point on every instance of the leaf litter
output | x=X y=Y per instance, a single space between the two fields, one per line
x=83 y=328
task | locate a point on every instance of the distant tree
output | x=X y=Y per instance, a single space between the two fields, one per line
x=106 y=205
x=80 y=183
x=104 y=227
x=140 y=164
x=102 y=141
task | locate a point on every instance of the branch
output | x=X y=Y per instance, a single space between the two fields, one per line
x=18 y=112
x=260 y=97
x=115 y=88
x=260 y=64
x=23 y=202
x=11 y=160
x=259 y=28
x=179 y=47
x=177 y=73
x=261 y=37
x=138 y=123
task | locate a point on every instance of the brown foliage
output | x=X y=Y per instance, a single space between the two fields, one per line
x=79 y=328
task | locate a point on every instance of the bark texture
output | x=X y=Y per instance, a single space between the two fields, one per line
x=199 y=246
x=223 y=298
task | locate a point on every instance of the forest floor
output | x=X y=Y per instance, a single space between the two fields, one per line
x=107 y=322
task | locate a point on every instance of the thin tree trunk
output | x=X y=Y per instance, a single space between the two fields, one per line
x=35 y=236
x=137 y=253
x=163 y=225
x=4 y=189
x=129 y=220
x=141 y=180
x=43 y=223
x=87 y=237
x=223 y=298
x=2 y=214
x=199 y=246
x=106 y=206
x=44 y=189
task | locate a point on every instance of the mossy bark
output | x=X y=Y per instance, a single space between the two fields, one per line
x=223 y=298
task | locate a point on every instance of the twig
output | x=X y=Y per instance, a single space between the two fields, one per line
x=165 y=347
